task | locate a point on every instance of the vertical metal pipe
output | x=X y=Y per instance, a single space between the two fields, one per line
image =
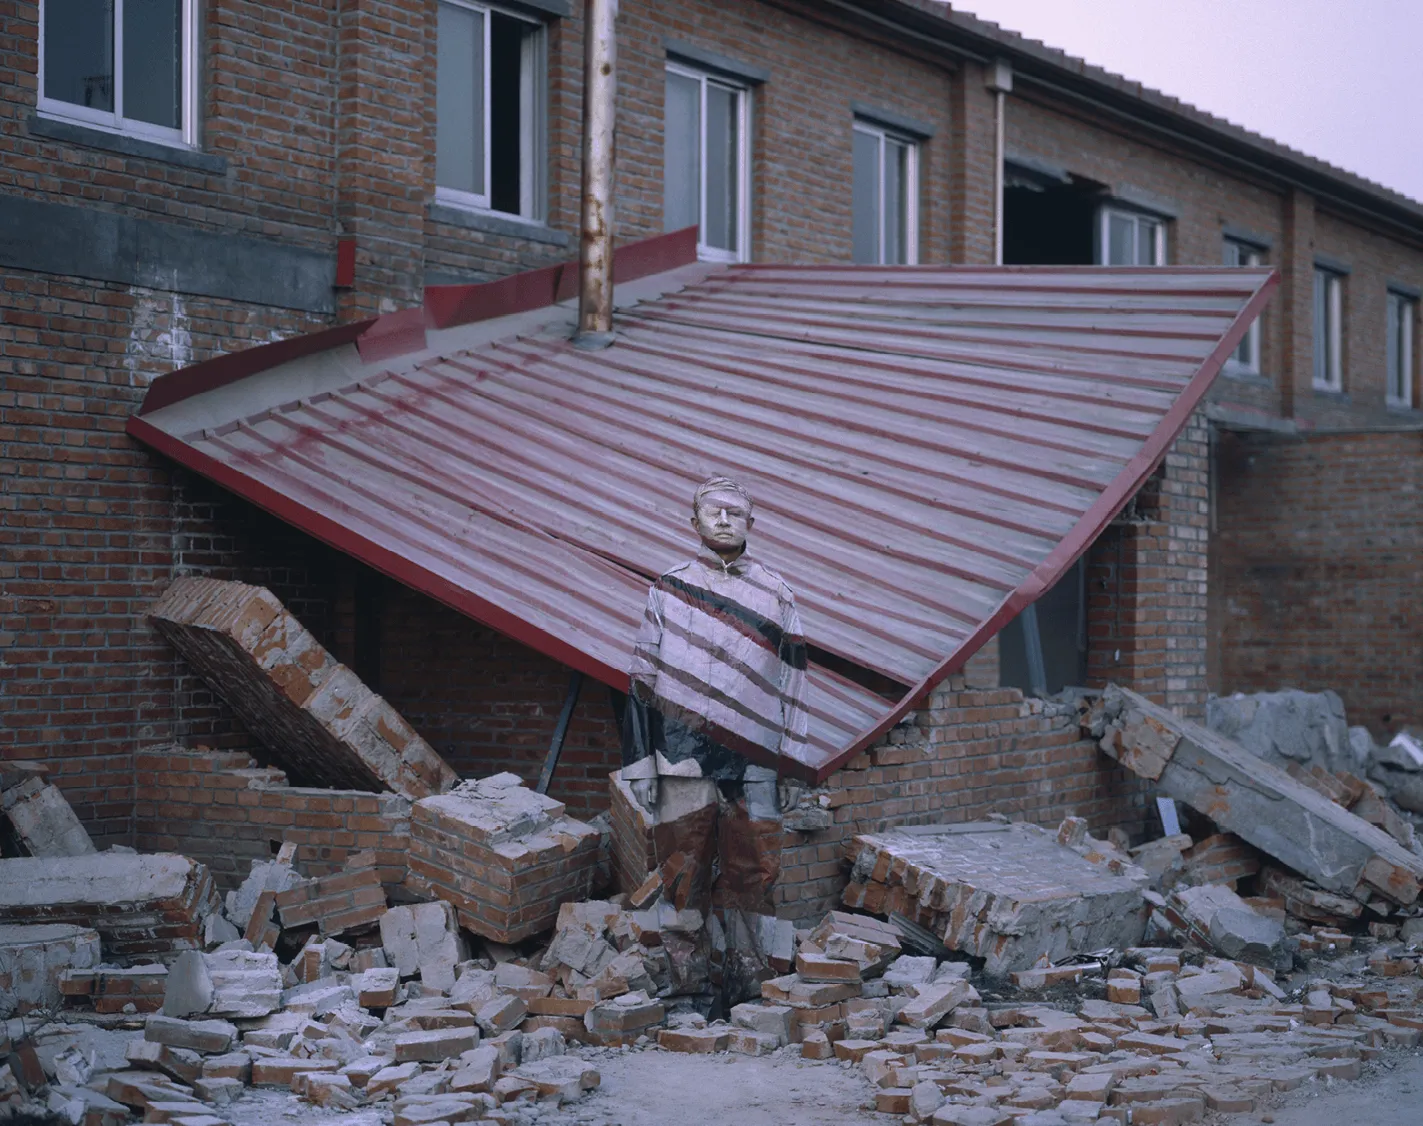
x=595 y=251
x=998 y=98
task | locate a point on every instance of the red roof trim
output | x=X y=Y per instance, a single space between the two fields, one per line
x=1092 y=524
x=402 y=332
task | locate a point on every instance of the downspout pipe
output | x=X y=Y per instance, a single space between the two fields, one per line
x=595 y=247
x=1000 y=81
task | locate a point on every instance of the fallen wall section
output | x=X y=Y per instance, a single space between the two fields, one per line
x=1258 y=802
x=145 y=908
x=315 y=716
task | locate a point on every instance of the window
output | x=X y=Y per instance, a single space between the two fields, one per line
x=885 y=197
x=1402 y=316
x=1130 y=238
x=704 y=162
x=488 y=110
x=1247 y=354
x=1328 y=330
x=128 y=66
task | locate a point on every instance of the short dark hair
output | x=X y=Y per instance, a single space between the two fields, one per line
x=714 y=484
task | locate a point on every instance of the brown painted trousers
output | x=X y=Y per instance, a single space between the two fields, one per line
x=689 y=841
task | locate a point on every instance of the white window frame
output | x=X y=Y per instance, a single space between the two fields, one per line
x=531 y=101
x=742 y=250
x=1402 y=314
x=1331 y=333
x=1245 y=255
x=1137 y=216
x=114 y=121
x=911 y=193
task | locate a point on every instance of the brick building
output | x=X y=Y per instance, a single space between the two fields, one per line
x=245 y=173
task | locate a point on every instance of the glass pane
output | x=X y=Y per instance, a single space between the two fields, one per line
x=153 y=61
x=1232 y=254
x=1245 y=348
x=459 y=100
x=896 y=202
x=79 y=52
x=1321 y=320
x=1121 y=232
x=1394 y=348
x=865 y=202
x=1146 y=242
x=506 y=111
x=682 y=154
x=722 y=160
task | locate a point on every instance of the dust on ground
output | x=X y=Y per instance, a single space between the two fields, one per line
x=1391 y=1096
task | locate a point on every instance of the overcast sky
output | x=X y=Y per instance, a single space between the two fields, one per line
x=1341 y=80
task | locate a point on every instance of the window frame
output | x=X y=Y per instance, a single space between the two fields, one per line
x=742 y=93
x=1328 y=335
x=533 y=102
x=1248 y=255
x=113 y=121
x=1137 y=215
x=1401 y=313
x=882 y=134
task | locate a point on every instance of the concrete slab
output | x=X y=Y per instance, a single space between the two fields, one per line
x=1008 y=894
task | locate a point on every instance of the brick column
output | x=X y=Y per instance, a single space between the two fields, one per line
x=1296 y=297
x=1146 y=584
x=384 y=127
x=971 y=162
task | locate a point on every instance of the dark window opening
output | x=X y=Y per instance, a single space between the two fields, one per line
x=1050 y=224
x=506 y=112
x=1062 y=628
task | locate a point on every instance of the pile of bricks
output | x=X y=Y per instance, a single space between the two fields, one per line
x=145 y=907
x=315 y=716
x=115 y=989
x=505 y=856
x=1011 y=894
x=338 y=904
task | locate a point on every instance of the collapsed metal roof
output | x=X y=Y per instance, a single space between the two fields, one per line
x=929 y=447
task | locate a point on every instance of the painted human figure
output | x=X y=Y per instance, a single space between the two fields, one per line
x=718 y=695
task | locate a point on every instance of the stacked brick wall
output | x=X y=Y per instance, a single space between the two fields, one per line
x=221 y=808
x=1147 y=584
x=1317 y=568
x=969 y=753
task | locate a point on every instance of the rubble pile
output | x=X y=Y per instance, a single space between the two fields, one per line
x=1010 y=894
x=315 y=716
x=1317 y=862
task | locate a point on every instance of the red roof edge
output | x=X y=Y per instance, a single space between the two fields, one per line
x=445 y=306
x=1092 y=524
x=222 y=370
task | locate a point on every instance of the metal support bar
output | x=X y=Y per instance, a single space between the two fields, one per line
x=1033 y=645
x=555 y=747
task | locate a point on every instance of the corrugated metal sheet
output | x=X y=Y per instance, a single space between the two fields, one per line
x=929 y=449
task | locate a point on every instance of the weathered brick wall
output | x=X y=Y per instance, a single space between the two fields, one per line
x=1318 y=562
x=221 y=808
x=967 y=754
x=1147 y=584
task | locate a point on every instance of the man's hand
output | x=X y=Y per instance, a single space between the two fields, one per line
x=645 y=791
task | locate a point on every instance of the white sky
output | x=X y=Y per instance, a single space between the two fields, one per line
x=1341 y=80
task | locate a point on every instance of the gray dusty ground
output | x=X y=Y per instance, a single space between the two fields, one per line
x=1392 y=1096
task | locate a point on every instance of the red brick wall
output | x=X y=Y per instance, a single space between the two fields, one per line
x=224 y=810
x=1318 y=570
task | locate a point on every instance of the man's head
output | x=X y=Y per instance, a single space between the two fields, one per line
x=721 y=515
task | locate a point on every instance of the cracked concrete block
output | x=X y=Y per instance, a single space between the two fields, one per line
x=225 y=983
x=320 y=723
x=32 y=960
x=265 y=875
x=423 y=936
x=43 y=820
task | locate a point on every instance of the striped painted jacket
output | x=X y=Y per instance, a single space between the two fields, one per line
x=718 y=673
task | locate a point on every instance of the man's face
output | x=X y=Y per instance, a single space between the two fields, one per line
x=722 y=520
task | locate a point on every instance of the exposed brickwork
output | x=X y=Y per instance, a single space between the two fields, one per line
x=223 y=809
x=337 y=904
x=1319 y=554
